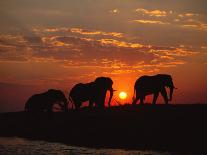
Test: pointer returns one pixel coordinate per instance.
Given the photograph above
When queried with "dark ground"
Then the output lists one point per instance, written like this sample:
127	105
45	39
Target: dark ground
173	128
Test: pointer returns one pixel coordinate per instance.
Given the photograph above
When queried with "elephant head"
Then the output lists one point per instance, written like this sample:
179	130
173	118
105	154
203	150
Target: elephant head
58	96
105	83
167	82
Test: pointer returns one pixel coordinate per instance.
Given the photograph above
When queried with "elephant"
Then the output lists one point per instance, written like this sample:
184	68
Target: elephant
147	85
45	101
94	92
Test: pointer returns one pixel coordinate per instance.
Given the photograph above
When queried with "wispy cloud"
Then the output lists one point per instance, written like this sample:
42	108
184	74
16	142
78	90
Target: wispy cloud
194	24
186	20
150	22
89	32
187	15
156	13
77	48
120	43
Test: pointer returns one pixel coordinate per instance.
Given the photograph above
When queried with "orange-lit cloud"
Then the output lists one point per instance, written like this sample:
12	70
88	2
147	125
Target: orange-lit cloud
194	24
186	20
187	15
77	30
156	13
119	43
79	51
204	47
54	41
150	22
88	32
75	51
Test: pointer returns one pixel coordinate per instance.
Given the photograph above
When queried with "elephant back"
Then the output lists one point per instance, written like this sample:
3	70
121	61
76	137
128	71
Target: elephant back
34	103
82	91
55	95
147	83
104	83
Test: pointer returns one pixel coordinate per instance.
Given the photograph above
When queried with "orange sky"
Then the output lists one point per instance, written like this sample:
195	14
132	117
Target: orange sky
46	44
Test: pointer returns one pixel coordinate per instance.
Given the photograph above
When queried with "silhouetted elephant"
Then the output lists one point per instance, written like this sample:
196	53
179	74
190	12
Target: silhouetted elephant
46	100
146	85
94	92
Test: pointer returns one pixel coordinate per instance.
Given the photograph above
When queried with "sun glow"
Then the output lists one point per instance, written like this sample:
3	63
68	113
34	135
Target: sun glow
122	95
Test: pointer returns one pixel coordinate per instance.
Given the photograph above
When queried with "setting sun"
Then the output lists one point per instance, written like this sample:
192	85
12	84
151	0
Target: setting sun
122	95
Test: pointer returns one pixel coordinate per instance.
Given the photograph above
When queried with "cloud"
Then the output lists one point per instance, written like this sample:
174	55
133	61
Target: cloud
67	48
189	26
186	20
64	30
117	43
156	13
89	32
174	53
197	25
50	30
204	47
187	15
78	49
162	13
54	41
150	22
189	21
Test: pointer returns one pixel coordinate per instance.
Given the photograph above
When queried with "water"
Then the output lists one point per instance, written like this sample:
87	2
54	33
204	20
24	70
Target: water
21	146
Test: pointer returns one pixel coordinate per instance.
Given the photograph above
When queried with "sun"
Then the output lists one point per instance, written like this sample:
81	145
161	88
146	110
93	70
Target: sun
122	95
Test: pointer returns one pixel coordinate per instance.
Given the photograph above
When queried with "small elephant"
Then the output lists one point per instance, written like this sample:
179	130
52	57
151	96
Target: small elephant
45	101
94	92
147	85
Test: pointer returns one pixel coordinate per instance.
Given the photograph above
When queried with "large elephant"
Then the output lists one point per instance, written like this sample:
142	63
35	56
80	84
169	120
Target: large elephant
45	101
94	92
147	85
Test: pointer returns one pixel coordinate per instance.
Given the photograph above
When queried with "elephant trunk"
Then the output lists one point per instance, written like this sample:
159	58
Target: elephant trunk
111	95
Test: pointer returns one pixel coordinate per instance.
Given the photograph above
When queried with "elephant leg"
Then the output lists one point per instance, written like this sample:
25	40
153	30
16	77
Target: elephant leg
101	104
91	103
77	105
100	100
164	94
142	99
155	97
135	101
